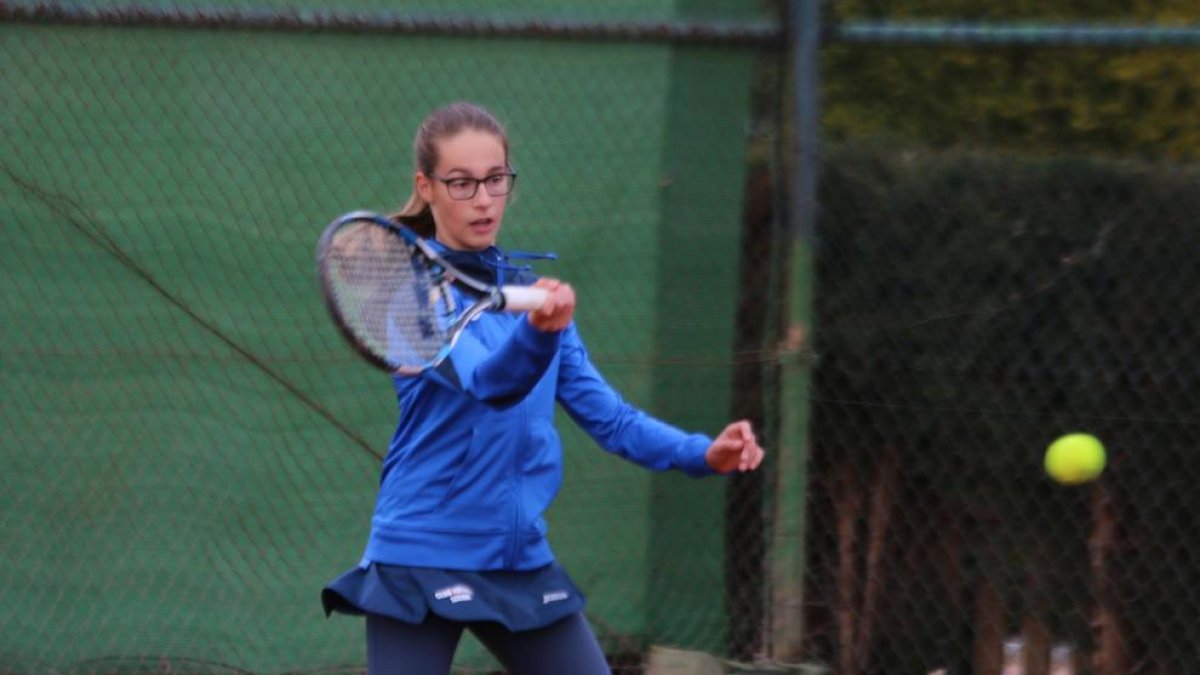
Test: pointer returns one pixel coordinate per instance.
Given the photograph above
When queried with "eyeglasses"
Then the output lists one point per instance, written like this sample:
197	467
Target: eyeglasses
464	187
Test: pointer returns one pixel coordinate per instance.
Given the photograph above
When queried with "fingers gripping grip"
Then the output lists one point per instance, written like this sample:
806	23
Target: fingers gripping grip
523	298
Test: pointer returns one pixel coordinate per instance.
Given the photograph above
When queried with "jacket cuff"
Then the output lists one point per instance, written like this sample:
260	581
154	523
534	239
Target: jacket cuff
537	341
690	458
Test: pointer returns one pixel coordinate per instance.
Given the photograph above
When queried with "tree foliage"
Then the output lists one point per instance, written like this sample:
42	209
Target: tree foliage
1132	102
971	307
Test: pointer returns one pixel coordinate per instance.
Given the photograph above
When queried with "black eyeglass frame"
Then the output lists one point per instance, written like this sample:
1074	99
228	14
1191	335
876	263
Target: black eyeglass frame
476	182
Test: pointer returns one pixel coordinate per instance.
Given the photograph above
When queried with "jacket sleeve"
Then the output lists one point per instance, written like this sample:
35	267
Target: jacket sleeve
619	427
503	375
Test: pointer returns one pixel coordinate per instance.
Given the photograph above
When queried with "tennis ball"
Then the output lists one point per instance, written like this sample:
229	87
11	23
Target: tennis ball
1075	458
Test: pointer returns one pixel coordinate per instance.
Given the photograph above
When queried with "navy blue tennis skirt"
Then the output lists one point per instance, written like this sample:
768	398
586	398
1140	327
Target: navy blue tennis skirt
520	600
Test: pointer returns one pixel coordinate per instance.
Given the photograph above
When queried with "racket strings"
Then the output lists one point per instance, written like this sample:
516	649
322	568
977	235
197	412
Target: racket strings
387	297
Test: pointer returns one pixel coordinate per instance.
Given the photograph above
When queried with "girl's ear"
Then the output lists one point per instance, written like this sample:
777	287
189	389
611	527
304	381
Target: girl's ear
423	186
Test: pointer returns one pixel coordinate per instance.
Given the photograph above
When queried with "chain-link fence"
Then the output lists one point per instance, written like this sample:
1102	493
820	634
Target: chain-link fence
998	263
192	452
971	310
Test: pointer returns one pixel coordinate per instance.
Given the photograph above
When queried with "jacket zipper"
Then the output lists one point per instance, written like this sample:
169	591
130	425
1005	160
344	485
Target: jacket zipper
515	536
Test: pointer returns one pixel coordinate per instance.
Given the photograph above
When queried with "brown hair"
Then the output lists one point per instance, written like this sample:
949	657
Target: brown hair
442	123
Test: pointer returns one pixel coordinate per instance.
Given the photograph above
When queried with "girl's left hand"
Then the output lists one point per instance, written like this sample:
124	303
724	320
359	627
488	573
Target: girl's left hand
735	448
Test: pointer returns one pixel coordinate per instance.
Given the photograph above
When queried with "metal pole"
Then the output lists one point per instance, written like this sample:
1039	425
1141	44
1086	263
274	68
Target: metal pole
804	33
788	557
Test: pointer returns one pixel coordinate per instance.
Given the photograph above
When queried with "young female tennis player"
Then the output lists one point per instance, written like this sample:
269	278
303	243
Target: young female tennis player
457	539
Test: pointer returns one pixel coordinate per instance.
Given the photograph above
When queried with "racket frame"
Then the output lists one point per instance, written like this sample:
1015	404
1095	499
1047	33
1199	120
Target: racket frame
442	275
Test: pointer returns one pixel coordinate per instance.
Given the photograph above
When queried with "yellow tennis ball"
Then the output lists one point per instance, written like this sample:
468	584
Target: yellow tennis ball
1075	458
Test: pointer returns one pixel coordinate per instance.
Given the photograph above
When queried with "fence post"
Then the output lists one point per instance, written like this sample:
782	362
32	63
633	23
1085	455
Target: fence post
791	455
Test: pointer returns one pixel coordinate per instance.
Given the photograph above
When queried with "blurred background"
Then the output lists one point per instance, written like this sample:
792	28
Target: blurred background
914	242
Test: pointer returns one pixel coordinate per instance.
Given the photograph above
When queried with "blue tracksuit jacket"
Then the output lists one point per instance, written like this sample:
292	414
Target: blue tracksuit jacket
476	460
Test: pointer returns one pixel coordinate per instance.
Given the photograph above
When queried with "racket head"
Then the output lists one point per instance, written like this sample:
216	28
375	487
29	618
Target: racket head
389	300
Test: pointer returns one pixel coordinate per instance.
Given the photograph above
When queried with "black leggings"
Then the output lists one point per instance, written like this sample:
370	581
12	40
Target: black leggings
567	646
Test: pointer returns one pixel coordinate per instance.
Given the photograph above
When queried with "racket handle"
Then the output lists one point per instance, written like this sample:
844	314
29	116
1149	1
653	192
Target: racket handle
523	298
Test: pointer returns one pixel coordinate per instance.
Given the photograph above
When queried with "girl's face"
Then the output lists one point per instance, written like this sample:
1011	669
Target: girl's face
469	224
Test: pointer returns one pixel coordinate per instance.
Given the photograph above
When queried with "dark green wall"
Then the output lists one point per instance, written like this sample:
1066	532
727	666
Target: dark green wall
168	497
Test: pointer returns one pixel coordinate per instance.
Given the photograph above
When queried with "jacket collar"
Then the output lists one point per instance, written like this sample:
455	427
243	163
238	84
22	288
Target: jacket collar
492	265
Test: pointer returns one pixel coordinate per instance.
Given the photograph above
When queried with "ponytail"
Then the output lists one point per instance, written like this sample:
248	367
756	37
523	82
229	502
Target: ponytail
416	216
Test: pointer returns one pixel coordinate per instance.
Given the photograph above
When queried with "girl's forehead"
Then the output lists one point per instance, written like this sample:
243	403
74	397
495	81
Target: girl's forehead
471	148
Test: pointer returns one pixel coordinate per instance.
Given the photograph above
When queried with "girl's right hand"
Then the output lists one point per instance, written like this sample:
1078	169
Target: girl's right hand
736	449
558	309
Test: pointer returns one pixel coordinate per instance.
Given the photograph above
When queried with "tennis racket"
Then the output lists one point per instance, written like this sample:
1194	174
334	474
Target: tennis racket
390	293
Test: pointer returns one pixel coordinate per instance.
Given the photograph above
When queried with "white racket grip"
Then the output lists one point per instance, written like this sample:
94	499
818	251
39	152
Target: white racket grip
523	298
